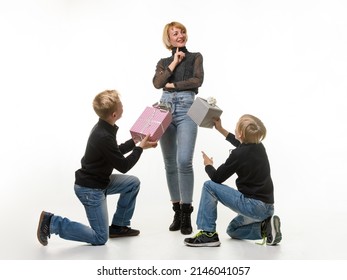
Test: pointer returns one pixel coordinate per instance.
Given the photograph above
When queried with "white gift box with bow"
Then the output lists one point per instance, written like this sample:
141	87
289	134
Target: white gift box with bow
203	111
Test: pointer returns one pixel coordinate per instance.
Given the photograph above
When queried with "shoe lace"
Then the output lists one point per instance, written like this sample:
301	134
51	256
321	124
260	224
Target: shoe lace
198	234
263	239
45	230
204	233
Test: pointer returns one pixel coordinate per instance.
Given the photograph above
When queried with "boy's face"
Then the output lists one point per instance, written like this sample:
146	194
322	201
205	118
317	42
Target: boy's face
238	134
119	111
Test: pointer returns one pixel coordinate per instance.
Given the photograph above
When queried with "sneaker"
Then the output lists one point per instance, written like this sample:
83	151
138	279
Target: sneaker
273	230
203	239
43	232
122	231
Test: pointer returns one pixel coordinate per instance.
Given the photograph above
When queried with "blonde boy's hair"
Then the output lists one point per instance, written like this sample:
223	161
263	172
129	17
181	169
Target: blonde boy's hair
105	103
166	33
251	128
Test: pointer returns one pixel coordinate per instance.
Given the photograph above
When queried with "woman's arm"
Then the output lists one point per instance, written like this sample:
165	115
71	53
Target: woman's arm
198	75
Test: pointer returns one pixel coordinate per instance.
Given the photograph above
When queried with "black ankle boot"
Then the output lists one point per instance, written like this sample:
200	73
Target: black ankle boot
176	224
186	224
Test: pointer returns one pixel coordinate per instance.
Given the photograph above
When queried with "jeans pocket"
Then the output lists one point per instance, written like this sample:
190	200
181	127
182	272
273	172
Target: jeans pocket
186	100
259	210
89	197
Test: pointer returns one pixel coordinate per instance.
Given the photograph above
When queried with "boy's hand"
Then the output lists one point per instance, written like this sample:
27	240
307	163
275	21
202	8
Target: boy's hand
145	143
207	160
217	123
219	127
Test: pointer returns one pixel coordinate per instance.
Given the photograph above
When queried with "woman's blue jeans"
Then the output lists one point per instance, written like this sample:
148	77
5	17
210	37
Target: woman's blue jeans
177	145
95	204
251	212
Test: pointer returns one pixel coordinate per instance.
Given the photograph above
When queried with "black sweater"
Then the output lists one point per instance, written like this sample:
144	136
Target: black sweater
103	154
251	164
188	75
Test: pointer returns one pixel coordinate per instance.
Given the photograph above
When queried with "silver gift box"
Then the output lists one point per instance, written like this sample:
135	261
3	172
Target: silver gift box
203	114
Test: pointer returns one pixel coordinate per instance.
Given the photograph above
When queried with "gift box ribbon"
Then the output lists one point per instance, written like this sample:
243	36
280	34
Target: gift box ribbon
149	123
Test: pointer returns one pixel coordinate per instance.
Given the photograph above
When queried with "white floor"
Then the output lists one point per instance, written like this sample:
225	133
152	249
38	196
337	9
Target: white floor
313	232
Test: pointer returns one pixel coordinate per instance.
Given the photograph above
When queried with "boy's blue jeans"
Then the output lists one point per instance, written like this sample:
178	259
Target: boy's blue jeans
95	204
251	212
177	145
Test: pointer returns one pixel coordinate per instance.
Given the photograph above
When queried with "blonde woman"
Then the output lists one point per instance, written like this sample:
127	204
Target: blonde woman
179	76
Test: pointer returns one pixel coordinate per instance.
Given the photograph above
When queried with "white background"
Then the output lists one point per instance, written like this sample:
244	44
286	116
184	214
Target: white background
283	61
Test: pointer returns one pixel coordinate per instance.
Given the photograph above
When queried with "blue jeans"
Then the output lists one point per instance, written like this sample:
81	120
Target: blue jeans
251	212
177	145
95	205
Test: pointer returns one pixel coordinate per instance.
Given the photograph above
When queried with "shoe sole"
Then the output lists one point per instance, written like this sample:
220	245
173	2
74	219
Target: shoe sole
187	232
123	235
209	244
276	230
39	229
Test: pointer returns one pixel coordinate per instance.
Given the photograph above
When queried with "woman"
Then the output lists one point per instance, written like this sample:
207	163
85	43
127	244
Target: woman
180	77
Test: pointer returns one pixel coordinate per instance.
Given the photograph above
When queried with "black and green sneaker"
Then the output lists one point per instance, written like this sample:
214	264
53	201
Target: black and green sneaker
203	239
271	231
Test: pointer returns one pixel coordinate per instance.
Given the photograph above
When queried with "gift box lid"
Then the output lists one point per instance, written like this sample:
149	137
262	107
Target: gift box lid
203	113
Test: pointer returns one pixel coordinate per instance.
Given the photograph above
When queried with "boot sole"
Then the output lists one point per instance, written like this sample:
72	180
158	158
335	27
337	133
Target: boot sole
186	232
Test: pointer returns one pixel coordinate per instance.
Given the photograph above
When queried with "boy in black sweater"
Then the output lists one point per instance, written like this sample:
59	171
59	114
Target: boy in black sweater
94	181
253	201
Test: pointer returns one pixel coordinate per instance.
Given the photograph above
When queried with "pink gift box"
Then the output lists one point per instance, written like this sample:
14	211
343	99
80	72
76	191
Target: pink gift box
153	121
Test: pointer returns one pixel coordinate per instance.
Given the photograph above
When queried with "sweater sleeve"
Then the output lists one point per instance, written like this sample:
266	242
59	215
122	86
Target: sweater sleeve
224	171
162	75
231	138
127	146
228	168
197	78
115	157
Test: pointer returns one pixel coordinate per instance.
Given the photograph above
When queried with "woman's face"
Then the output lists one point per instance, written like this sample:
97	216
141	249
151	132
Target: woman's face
177	37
